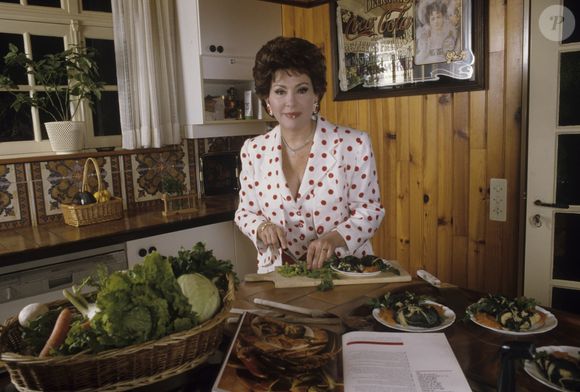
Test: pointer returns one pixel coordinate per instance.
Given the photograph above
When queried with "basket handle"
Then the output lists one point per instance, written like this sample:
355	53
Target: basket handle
86	172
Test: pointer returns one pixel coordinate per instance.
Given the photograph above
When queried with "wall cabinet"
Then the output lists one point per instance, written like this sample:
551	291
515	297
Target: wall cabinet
218	40
224	238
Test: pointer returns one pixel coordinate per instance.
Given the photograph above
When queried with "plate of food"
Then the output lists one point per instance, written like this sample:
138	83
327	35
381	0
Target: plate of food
557	367
364	267
517	316
412	313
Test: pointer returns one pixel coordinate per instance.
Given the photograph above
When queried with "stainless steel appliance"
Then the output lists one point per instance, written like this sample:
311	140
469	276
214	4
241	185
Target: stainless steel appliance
43	280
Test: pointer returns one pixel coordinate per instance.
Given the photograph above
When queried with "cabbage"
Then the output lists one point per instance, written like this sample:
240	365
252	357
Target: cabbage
202	294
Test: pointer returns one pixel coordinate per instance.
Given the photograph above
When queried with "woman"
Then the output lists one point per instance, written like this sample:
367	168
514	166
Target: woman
308	187
437	36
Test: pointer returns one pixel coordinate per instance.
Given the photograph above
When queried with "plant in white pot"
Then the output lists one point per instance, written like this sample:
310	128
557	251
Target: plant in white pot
62	82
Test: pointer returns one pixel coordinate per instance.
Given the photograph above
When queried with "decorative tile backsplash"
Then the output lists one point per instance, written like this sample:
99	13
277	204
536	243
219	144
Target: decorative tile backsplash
56	182
14	210
134	177
147	170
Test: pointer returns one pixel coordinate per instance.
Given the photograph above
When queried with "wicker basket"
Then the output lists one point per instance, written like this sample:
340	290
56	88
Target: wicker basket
113	370
78	215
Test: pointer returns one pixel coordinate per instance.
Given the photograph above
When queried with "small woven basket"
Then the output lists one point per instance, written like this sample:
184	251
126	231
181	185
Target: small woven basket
78	215
113	370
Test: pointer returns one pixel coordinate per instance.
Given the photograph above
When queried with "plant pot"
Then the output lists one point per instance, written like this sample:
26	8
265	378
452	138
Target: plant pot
66	136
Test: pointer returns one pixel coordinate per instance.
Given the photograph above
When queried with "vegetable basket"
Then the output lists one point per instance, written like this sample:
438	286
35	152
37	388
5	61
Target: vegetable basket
113	370
80	215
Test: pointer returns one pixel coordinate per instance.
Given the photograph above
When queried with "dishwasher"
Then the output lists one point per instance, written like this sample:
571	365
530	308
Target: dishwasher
43	280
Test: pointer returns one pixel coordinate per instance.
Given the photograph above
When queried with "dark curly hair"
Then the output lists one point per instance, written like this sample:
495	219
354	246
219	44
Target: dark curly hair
292	54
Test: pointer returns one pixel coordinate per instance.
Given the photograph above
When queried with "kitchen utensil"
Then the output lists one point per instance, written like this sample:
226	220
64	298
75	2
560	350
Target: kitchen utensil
292	308
429	278
286	252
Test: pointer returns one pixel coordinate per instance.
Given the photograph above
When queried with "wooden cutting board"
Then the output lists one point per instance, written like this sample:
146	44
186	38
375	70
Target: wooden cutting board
303	281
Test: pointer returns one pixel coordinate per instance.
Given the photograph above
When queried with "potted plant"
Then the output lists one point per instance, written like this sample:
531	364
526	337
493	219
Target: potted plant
62	82
175	199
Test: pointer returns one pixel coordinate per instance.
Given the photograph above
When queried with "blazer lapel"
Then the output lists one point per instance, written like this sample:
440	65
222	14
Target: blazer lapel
274	166
321	160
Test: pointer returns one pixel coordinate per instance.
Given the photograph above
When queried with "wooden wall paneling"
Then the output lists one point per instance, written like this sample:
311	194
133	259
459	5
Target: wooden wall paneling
460	186
402	175
416	140
289	22
463	141
513	127
496	33
430	178
495	167
477	218
388	177
478	194
376	129
444	188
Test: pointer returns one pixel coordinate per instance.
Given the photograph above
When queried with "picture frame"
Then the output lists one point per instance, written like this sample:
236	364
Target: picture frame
386	48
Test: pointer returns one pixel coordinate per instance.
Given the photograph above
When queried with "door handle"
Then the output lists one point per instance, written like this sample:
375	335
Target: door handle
551	205
536	220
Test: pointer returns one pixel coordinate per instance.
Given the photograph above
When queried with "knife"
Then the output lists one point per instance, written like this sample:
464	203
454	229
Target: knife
286	252
292	308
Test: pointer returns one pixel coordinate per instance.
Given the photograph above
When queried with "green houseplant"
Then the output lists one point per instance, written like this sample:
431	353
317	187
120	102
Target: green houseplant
62	81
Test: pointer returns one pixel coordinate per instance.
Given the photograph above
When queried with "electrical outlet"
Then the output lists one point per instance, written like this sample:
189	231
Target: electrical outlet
498	199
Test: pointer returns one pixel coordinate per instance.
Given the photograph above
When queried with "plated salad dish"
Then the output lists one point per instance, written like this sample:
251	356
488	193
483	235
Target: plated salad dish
411	312
517	316
365	266
556	366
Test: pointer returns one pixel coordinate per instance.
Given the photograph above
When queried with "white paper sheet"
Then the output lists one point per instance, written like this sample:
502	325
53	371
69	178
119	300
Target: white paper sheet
400	362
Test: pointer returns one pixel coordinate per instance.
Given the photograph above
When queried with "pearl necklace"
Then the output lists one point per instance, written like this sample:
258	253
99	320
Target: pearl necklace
295	150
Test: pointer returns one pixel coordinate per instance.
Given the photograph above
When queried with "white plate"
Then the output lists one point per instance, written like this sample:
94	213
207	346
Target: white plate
359	274
448	319
550	323
533	370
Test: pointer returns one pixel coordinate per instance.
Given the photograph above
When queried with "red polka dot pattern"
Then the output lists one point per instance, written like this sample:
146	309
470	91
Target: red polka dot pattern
338	182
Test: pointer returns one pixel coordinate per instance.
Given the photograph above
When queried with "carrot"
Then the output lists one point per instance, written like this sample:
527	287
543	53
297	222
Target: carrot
59	332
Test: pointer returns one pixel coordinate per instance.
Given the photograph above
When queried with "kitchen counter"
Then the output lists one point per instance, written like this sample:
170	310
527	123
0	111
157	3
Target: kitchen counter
25	244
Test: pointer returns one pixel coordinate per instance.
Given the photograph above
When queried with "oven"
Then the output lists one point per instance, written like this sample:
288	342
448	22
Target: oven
43	280
219	173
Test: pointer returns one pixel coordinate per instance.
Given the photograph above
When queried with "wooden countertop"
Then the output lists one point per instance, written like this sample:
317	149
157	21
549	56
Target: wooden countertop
476	348
30	243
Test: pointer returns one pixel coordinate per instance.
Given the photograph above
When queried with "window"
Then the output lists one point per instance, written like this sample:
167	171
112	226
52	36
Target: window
44	27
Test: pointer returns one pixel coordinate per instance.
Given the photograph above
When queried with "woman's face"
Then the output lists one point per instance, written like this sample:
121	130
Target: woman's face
292	99
436	20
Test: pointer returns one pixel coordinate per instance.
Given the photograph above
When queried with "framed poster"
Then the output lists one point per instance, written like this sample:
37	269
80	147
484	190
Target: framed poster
384	48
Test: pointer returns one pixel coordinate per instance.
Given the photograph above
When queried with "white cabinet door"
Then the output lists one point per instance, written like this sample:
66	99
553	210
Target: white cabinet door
239	27
246	254
218	237
225	239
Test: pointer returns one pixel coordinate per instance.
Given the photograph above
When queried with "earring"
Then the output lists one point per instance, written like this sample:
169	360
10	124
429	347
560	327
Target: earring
316	108
269	109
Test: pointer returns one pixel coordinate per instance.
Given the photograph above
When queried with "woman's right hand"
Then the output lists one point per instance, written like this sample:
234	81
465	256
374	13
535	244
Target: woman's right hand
273	236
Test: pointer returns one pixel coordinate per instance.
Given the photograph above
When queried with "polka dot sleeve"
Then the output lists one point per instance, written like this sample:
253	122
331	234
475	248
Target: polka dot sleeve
363	199
249	216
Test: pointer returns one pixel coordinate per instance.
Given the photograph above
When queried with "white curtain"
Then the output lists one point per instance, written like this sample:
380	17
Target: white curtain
146	55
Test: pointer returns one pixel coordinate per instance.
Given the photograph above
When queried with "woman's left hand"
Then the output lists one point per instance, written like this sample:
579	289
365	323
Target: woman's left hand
321	249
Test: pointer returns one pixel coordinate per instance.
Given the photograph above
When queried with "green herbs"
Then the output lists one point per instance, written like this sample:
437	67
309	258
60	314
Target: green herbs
365	264
202	261
325	274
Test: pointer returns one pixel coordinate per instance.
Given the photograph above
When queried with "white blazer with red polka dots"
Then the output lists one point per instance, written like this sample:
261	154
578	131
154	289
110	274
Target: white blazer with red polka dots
339	191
